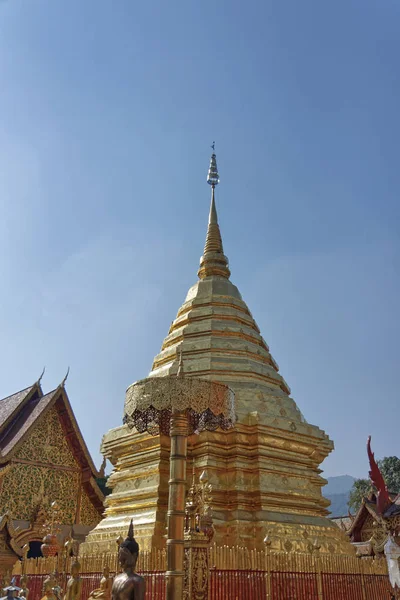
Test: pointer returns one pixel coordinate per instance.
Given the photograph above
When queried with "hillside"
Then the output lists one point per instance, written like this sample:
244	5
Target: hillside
337	491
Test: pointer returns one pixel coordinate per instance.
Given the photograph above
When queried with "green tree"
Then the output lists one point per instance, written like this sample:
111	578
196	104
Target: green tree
390	469
102	483
361	488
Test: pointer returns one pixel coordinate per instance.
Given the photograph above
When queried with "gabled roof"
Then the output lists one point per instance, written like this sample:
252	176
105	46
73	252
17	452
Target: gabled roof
25	409
369	507
22	422
10	405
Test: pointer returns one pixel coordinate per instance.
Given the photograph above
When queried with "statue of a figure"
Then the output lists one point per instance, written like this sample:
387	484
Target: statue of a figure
104	591
128	585
48	587
74	585
6	581
392	553
24	591
51	590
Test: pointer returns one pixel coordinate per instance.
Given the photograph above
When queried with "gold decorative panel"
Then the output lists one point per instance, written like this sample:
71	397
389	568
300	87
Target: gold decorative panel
88	514
22	483
47	444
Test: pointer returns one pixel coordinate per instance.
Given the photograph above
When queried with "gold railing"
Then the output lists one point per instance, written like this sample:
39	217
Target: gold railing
221	557
154	560
241	558
236	572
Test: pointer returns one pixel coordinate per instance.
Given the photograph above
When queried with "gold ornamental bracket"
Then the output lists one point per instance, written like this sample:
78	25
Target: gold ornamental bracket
149	404
177	406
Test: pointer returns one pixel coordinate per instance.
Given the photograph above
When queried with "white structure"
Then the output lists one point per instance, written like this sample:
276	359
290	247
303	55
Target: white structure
392	553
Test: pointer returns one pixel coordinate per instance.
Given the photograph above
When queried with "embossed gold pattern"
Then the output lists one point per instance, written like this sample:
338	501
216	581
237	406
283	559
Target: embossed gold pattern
26	478
149	404
88	515
42	470
47	444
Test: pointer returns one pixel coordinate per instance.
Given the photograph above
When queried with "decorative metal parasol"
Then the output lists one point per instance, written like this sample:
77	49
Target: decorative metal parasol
150	402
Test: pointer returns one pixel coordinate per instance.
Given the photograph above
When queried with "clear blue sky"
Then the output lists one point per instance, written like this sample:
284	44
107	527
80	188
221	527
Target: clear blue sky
107	113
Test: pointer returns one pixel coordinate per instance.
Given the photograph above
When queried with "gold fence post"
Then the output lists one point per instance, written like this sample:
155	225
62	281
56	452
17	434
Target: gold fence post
267	544
361	570
317	548
199	533
176	505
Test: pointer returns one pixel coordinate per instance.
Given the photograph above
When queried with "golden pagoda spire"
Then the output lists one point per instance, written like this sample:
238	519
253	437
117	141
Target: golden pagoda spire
213	261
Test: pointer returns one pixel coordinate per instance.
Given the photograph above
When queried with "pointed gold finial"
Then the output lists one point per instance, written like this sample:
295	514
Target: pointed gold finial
102	470
39	381
62	384
213	261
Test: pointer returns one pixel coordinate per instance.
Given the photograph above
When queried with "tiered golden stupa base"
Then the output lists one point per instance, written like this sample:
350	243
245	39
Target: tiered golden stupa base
243	515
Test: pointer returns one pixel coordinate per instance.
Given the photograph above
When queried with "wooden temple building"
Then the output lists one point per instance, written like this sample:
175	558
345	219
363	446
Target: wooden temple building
43	460
265	472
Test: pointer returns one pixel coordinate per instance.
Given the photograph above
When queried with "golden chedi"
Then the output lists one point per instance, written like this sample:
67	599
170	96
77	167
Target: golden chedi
265	472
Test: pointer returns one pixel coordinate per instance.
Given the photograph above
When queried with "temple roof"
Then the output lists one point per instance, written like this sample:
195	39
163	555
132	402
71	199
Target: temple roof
27	416
23	410
10	404
369	507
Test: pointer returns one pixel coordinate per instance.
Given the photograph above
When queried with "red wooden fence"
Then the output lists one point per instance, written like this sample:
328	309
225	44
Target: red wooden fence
294	585
283	585
229	585
249	584
155	584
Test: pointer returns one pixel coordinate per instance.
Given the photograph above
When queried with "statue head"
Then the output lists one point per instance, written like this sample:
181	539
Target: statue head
106	571
49	582
75	568
128	550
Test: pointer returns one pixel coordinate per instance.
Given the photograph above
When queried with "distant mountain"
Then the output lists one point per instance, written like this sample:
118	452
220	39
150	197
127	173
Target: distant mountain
337	491
339	485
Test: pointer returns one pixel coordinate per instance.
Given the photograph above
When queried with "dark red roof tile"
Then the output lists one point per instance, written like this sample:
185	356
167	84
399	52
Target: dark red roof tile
9	404
20	425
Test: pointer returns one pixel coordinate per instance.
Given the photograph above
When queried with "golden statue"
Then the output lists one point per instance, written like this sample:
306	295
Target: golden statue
51	590
104	591
74	585
128	585
6	580
24	591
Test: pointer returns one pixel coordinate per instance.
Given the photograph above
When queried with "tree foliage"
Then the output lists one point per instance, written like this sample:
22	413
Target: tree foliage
102	483
361	488
390	469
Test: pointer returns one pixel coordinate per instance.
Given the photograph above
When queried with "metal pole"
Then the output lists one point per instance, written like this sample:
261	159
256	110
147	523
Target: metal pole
176	505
